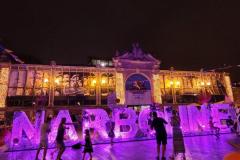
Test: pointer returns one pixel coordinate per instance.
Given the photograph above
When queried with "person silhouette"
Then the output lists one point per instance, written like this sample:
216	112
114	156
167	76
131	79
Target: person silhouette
161	134
45	130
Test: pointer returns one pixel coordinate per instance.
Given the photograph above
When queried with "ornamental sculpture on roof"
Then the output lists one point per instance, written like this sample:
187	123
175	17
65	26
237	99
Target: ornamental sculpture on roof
137	58
137	51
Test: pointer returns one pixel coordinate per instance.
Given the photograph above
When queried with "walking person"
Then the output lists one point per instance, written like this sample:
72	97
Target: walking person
60	138
178	141
215	129
161	134
230	123
45	130
88	145
110	125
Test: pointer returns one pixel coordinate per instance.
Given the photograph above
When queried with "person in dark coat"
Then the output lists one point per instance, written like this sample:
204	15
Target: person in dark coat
60	138
110	126
88	145
161	134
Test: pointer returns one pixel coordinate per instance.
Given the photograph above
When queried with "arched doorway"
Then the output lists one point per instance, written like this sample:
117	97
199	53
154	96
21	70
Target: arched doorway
138	90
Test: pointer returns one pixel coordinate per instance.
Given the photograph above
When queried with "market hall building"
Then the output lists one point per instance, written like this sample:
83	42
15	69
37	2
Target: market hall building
132	85
135	77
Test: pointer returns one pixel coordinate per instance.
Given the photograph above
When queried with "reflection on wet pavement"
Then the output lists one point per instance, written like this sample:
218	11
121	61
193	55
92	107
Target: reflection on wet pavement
197	148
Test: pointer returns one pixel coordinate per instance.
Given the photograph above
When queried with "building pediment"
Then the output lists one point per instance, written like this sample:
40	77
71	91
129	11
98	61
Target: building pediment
137	58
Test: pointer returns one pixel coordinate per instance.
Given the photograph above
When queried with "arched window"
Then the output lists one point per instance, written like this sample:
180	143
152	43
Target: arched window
137	82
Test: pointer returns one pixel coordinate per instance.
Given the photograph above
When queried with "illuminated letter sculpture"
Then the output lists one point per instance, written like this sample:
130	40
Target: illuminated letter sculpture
198	118
183	113
144	119
97	119
70	132
220	112
22	123
125	123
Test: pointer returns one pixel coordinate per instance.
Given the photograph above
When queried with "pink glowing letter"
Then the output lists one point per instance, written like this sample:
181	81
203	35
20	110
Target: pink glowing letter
70	132
97	119
21	124
125	123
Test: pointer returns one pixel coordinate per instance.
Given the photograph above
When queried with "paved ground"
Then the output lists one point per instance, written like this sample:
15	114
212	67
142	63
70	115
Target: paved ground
198	148
235	142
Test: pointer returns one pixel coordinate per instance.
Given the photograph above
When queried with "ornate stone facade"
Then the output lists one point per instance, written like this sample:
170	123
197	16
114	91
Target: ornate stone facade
136	78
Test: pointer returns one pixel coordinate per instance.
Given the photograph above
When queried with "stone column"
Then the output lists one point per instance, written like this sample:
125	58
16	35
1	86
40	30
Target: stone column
4	75
156	89
120	88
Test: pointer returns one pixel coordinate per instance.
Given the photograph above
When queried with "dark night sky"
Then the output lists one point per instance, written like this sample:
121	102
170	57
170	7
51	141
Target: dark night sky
184	34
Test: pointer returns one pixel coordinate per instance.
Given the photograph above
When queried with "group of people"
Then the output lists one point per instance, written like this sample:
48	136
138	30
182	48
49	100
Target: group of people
45	130
158	124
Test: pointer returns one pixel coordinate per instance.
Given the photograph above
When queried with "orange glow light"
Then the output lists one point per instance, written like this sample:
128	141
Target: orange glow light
93	83
177	83
45	80
57	81
103	81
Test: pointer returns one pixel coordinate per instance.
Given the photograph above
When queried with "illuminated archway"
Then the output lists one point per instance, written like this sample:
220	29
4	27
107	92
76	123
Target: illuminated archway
137	82
138	90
